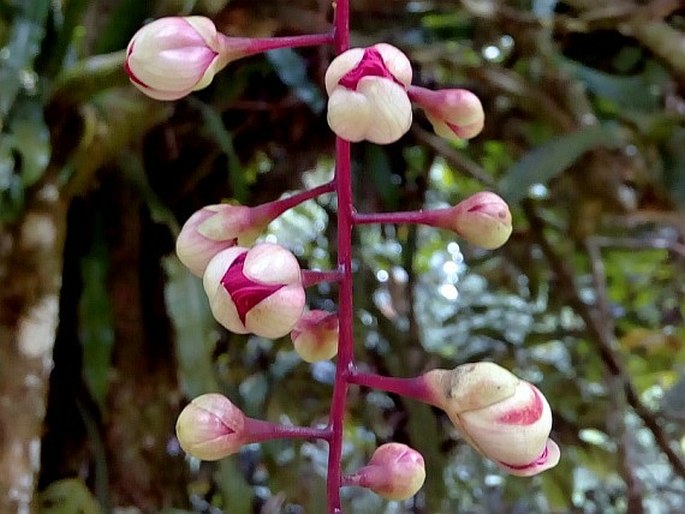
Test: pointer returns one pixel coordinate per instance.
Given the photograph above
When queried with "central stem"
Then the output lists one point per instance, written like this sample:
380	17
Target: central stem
343	184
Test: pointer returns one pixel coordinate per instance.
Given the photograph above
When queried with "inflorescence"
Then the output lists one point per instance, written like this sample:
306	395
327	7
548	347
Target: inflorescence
260	288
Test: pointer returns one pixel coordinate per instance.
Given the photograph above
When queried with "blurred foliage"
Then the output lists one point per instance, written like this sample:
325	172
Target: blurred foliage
584	135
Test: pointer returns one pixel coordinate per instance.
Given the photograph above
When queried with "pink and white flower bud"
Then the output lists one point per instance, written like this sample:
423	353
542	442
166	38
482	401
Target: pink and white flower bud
506	419
482	219
395	472
211	427
367	89
214	228
454	113
171	57
256	291
315	336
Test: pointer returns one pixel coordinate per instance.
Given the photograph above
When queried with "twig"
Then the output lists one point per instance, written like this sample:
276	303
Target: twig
604	338
454	158
616	423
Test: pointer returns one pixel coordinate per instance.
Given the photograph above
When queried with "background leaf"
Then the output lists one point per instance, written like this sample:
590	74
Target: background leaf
545	162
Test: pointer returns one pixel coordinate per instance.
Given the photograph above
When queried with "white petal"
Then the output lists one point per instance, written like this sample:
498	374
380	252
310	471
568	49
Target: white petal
391	113
278	313
551	460
225	312
269	263
349	114
512	443
396	61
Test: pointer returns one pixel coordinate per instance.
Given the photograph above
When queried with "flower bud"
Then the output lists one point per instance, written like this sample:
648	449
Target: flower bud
212	229
170	57
367	89
315	336
210	427
454	113
255	291
395	472
482	219
506	419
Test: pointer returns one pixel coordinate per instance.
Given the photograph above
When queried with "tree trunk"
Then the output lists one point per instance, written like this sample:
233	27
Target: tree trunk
143	399
30	272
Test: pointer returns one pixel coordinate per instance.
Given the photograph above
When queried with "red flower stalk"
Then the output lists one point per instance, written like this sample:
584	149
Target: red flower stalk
482	219
261	290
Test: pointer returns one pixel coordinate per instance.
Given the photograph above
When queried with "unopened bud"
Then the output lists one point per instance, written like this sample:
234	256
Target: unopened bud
483	219
210	427
367	89
170	57
454	113
506	419
214	228
255	291
395	472
315	336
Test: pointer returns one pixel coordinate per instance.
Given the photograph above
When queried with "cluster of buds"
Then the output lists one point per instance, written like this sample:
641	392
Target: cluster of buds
370	90
260	288
367	94
370	95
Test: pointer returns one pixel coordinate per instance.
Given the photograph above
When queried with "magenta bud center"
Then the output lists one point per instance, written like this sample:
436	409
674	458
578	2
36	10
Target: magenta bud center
245	292
526	415
371	65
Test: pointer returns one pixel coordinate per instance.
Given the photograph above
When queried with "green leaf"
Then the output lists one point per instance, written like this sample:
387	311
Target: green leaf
214	128
31	140
11	190
543	163
292	70
378	167
95	322
674	166
194	327
633	92
24	45
125	20
68	496
237	493
67	27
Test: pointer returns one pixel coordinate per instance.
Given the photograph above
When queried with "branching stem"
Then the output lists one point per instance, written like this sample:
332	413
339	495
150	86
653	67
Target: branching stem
343	183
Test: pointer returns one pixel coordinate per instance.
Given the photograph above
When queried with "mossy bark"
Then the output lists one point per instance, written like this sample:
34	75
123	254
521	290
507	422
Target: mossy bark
30	272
